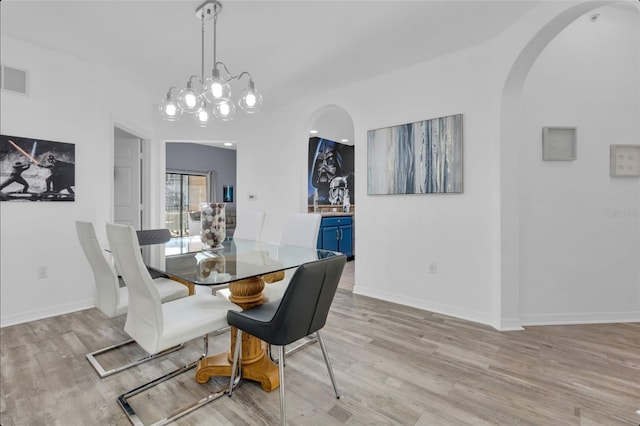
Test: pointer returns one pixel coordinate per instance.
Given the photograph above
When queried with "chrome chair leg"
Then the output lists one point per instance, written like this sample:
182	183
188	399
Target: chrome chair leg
91	357
205	349
277	359
328	362
136	421
301	344
283	412
237	362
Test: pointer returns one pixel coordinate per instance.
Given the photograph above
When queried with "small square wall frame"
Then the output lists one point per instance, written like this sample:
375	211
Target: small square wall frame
625	160
559	144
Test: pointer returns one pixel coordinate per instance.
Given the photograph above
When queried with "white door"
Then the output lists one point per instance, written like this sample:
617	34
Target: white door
127	193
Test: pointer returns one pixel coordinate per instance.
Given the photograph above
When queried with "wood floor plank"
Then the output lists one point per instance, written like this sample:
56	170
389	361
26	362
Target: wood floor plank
395	365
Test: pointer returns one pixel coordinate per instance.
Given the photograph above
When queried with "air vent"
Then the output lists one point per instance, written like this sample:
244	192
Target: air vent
14	80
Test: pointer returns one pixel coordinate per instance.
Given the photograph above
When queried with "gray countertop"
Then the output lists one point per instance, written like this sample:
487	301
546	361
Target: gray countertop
331	214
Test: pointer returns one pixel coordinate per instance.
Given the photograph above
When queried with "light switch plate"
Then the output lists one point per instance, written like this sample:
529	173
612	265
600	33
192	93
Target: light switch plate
624	160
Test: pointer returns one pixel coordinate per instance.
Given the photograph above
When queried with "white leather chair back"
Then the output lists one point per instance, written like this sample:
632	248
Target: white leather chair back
144	317
301	230
249	225
107	296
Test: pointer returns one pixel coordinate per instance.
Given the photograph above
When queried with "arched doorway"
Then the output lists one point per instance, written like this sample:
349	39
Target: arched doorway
508	309
330	185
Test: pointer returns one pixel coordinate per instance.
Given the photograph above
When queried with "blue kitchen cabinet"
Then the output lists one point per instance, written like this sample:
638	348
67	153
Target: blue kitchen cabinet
336	234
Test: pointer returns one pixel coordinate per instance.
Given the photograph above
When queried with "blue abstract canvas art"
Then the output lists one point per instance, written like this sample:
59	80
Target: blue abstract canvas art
424	157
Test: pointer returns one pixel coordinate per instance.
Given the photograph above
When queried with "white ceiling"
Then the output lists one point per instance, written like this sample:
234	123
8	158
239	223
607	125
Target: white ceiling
292	48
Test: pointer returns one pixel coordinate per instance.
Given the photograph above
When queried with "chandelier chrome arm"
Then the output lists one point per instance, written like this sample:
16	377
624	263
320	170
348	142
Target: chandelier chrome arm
192	78
233	77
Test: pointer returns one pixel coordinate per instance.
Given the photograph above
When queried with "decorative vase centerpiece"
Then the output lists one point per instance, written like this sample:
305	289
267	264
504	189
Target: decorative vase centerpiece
214	227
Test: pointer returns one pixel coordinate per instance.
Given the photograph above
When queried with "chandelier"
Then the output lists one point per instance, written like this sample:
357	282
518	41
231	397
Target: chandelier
204	98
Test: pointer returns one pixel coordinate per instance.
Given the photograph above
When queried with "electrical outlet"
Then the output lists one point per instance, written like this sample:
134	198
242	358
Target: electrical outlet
42	272
433	267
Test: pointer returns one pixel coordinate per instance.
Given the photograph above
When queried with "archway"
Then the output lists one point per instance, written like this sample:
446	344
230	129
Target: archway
507	309
330	182
331	129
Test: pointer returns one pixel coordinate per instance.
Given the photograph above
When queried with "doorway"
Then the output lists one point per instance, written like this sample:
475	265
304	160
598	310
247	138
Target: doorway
332	147
127	178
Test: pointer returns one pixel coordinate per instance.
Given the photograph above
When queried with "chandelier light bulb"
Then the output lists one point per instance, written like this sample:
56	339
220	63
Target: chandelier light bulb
169	109
250	99
216	89
203	116
189	99
225	111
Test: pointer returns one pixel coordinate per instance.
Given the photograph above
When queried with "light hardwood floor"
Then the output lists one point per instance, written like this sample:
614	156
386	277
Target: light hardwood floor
394	365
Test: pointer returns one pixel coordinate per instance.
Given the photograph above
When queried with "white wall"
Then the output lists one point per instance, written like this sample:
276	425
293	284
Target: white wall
43	233
579	227
65	104
396	236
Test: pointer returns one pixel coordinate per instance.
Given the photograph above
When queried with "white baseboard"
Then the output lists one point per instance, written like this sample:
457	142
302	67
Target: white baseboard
507	324
513	324
51	311
440	308
580	318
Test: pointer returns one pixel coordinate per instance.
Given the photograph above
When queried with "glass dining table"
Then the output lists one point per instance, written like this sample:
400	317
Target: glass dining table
244	266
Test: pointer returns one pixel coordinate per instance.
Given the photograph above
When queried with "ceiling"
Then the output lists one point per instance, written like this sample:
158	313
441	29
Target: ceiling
291	48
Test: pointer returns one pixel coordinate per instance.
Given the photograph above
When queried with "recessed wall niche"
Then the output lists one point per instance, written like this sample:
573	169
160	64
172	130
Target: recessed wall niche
559	144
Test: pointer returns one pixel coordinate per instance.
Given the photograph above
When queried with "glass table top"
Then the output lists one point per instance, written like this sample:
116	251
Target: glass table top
239	259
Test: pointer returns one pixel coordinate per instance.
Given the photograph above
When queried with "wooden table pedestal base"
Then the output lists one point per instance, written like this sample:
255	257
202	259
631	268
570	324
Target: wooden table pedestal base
261	370
256	364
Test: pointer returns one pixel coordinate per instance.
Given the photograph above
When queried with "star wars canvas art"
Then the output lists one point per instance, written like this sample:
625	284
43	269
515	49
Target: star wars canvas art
36	169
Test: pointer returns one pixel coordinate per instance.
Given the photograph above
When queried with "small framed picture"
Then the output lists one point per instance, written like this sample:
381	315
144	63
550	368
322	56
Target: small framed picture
625	160
227	193
559	144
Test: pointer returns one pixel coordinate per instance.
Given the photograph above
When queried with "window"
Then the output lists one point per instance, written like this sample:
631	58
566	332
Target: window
184	194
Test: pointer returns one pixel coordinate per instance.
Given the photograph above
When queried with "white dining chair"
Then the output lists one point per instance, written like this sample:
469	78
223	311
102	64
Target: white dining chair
156	326
301	230
112	299
249	225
